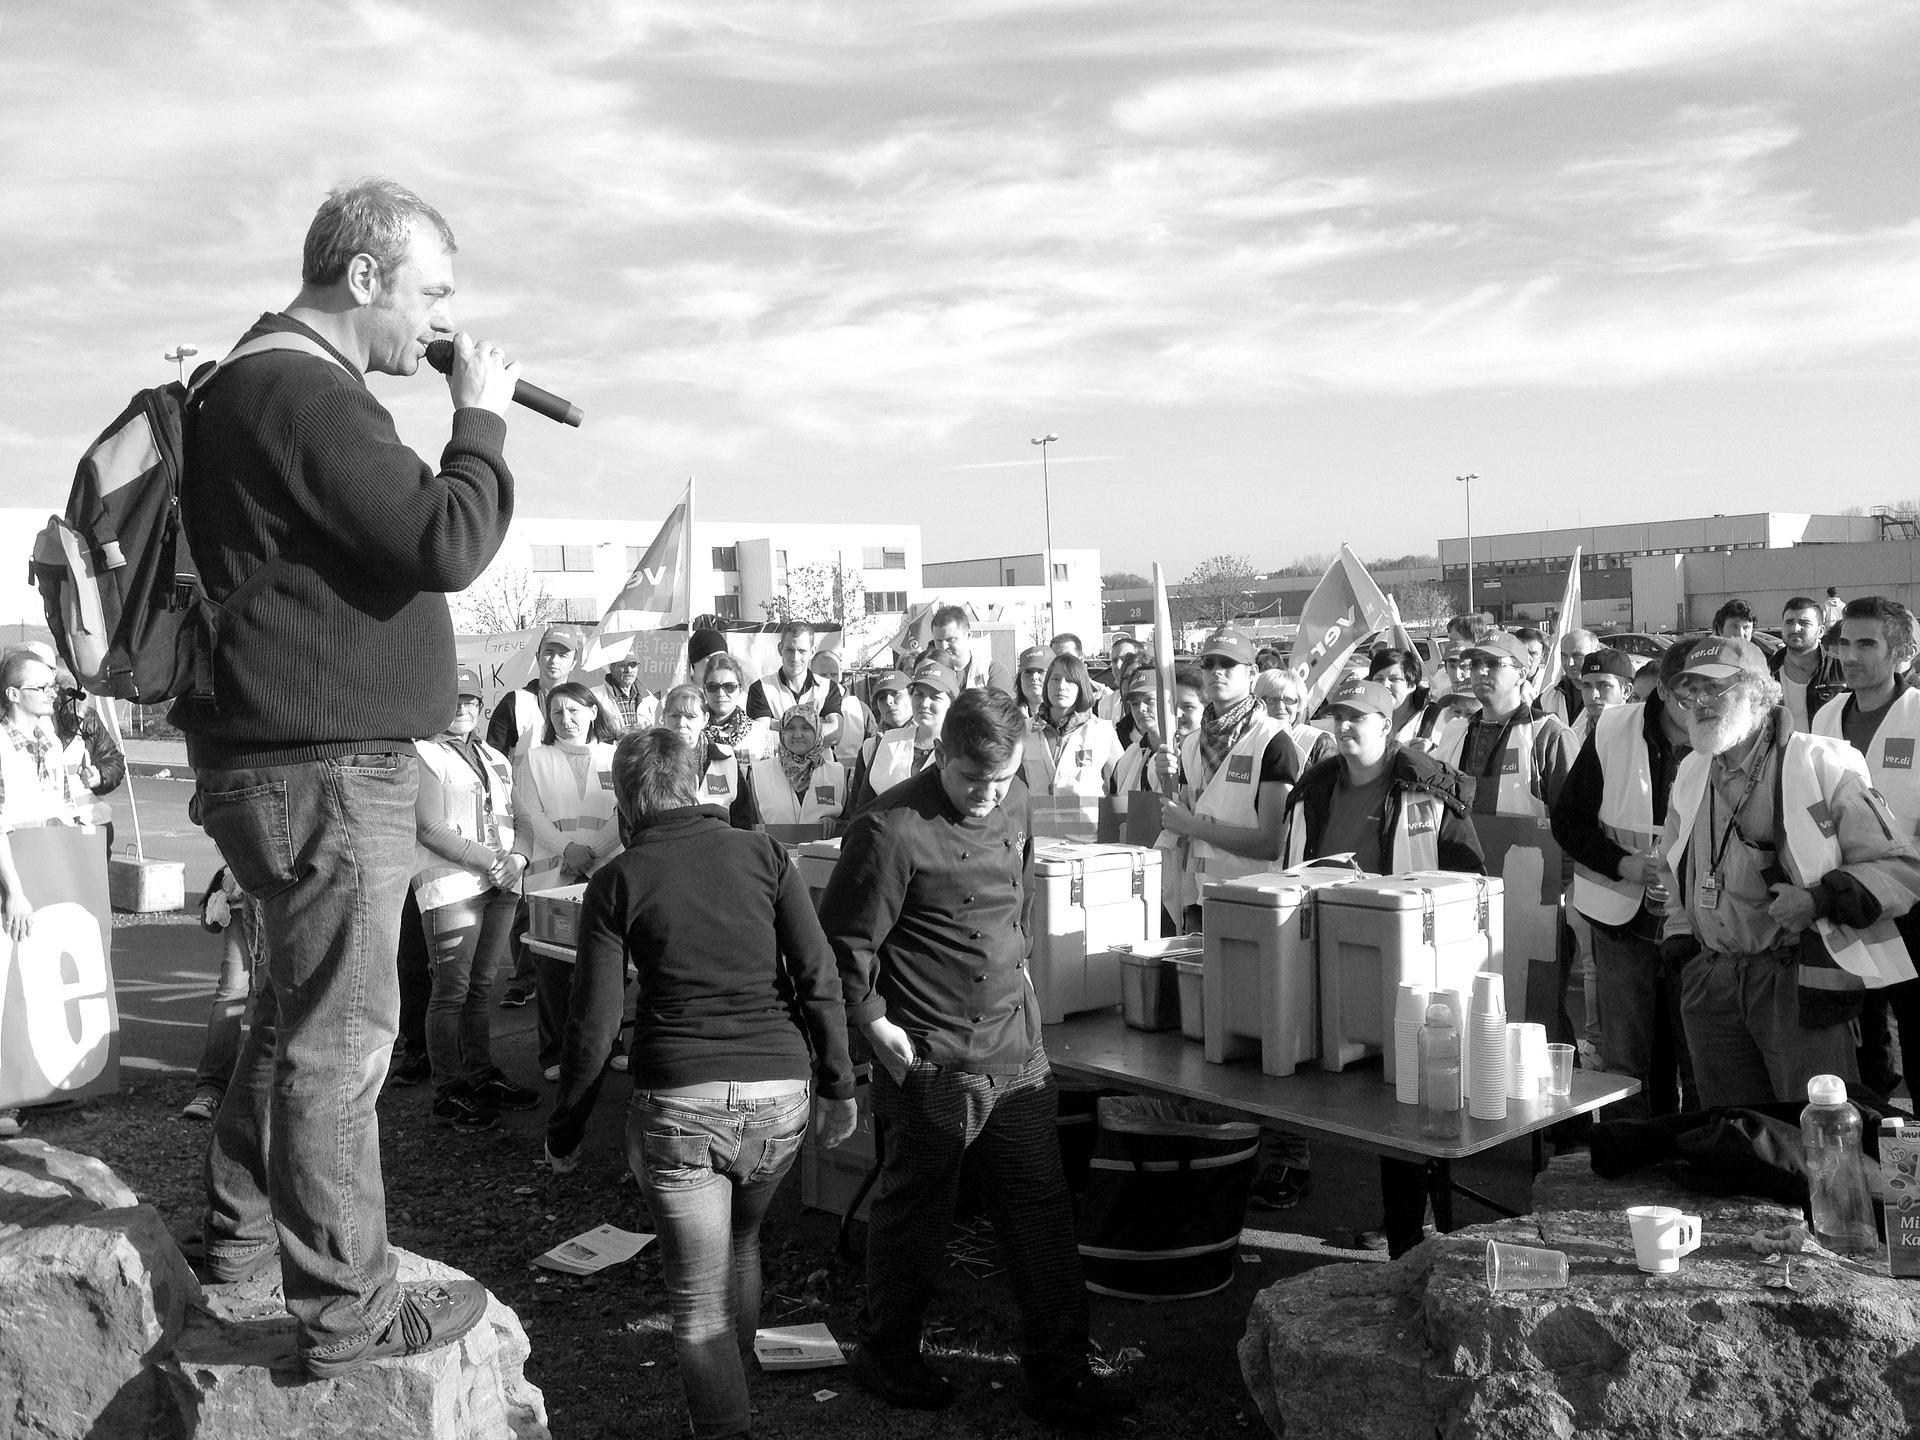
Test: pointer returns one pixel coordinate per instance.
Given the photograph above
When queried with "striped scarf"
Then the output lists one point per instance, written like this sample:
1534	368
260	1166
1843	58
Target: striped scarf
1218	736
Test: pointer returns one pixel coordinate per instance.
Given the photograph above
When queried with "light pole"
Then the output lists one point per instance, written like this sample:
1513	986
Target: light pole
1046	501
1467	480
180	354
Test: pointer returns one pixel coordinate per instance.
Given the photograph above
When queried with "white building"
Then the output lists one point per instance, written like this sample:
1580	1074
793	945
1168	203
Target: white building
738	565
1014	589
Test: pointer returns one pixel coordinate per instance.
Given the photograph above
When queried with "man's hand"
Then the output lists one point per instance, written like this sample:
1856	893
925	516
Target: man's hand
834	1121
89	775
481	378
1642	868
892	1047
1792	908
19	916
1176	817
1166	765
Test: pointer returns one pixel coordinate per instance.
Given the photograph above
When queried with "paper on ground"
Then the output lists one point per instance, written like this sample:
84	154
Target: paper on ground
595	1250
797	1347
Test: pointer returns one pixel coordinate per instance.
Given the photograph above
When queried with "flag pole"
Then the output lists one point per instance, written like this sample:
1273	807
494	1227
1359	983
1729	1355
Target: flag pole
1163	654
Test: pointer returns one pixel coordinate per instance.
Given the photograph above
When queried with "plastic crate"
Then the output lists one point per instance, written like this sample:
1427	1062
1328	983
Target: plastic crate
1088	898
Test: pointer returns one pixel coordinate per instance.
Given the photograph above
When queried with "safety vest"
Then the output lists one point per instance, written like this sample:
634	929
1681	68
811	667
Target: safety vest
1811	768
773	688
1626	813
575	815
1131	772
1890	758
892	760
1064	794
482	814
1516	778
853	729
1229	796
61	799
645	712
1414	844
826	793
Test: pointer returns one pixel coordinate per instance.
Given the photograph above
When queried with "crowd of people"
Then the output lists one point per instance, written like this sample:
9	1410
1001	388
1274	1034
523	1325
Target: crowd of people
1737	829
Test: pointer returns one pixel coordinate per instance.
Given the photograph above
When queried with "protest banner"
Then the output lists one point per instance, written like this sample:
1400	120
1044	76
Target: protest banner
1345	608
59	1024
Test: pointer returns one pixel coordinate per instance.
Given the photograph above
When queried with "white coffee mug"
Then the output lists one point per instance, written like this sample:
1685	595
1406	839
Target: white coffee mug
1661	1235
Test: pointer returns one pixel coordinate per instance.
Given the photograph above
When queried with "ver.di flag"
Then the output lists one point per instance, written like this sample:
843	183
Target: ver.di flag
1569	620
655	595
1345	607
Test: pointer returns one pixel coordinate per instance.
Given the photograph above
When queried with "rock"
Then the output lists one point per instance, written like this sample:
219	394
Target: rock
1419	1347
104	1332
93	1291
235	1374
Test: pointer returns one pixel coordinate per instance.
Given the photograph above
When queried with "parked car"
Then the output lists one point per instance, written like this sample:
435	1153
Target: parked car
1642	644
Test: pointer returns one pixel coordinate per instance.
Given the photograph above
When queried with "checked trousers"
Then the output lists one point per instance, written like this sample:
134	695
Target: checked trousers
932	1120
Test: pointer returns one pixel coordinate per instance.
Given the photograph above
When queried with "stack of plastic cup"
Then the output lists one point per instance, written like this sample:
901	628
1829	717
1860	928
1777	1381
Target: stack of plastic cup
1487	1049
1526	1061
1409	1014
1456	1001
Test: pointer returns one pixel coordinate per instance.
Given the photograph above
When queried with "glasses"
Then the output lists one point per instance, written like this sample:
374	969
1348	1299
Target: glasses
1701	692
1218	662
47	688
1483	666
722	687
469	702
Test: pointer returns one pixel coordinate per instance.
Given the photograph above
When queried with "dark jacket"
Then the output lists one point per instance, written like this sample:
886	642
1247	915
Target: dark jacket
1458	845
740	990
331	548
1576	813
1826	683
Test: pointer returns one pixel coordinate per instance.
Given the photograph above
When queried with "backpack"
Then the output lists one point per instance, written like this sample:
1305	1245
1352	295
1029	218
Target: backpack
126	605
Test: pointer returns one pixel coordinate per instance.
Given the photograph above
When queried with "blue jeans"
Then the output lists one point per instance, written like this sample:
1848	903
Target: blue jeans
466	945
240	953
327	848
710	1169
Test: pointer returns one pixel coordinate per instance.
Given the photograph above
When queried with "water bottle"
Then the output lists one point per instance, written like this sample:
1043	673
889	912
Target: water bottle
1440	1076
1836	1171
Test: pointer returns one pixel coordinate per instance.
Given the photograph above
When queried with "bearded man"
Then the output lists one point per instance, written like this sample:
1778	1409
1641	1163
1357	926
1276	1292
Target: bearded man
1785	872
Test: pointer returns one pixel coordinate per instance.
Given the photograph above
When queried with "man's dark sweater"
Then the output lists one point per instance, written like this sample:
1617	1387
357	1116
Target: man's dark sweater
736	980
331	547
926	913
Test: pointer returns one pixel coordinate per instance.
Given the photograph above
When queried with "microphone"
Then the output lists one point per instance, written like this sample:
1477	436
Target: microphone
440	356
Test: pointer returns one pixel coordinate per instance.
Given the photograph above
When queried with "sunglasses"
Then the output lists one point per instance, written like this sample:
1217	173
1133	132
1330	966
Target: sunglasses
1218	662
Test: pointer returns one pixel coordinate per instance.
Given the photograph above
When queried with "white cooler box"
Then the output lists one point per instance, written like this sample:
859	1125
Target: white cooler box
817	859
1261	984
1435	928
553	920
1086	900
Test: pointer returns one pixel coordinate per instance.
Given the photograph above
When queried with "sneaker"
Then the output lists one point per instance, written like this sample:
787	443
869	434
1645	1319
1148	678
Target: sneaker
1281	1188
410	1069
1078	1400
618	1063
431	1314
514	999
550	1074
204	1105
502	1094
904	1381
10	1123
456	1106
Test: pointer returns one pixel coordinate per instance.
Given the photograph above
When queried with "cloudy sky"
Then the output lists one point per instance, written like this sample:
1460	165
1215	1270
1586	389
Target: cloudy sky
1274	273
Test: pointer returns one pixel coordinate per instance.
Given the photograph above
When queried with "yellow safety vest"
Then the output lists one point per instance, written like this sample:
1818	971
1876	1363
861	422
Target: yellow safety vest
1414	844
1064	795
483	815
892	760
826	793
1516	780
1890	759
1811	768
1229	796
1626	813
576	816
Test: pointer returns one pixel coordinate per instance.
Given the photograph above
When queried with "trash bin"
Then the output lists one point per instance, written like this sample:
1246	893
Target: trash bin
1166	1193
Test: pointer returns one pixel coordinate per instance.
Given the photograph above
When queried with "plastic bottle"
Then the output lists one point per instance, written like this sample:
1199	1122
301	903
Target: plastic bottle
1440	1075
1836	1170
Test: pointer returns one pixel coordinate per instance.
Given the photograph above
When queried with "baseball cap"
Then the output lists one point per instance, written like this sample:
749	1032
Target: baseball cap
1364	695
1141	682
561	635
467	682
935	676
1721	657
1035	657
1609	661
1229	645
891	680
1502	646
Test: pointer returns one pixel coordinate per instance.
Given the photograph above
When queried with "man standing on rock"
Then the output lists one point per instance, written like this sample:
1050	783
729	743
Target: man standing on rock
330	545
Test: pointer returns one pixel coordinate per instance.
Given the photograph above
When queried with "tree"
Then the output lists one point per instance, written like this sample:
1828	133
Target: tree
1315	564
1215	590
1423	603
1124	580
510	599
823	594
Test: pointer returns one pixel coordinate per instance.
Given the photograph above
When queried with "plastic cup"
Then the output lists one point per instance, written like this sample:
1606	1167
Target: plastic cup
1489	995
1661	1235
1522	1267
1559	1069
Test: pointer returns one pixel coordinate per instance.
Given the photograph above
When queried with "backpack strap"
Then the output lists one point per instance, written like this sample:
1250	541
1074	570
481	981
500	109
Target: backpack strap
260	345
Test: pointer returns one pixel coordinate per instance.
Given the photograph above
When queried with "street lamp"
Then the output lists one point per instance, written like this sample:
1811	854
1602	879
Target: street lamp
1046	501
179	355
1468	480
